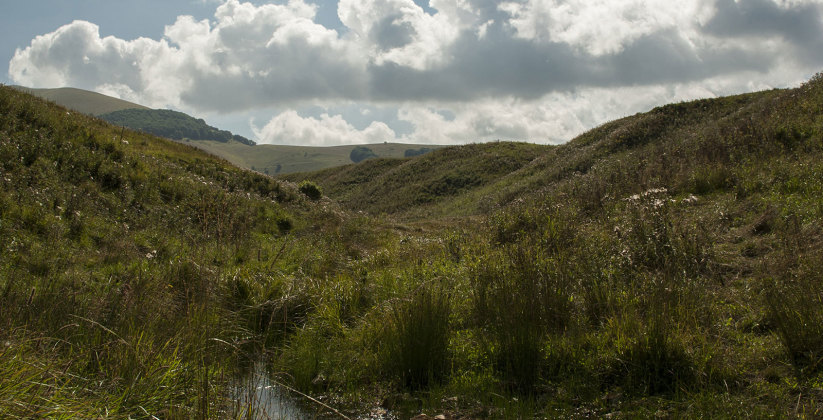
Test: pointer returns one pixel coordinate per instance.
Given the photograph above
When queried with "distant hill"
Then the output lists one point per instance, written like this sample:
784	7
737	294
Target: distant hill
172	125
268	159
80	100
160	122
279	159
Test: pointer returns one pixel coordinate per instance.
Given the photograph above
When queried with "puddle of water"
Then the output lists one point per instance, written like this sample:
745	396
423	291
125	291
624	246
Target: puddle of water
259	398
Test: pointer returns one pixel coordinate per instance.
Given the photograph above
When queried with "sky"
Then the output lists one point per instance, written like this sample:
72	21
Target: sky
329	72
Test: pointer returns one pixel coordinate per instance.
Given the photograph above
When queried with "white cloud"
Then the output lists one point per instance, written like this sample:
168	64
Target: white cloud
794	3
328	130
601	27
399	31
554	118
260	55
76	55
248	57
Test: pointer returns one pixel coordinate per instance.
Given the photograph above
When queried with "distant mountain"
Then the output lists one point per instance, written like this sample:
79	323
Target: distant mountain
171	124
80	100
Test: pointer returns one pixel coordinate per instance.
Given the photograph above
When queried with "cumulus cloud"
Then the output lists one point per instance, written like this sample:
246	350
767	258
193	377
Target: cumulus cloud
271	54
796	24
290	128
249	56
468	70
76	55
552	119
399	32
600	27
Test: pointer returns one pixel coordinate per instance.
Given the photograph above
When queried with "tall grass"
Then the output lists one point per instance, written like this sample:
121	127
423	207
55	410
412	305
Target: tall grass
653	359
795	309
419	336
522	293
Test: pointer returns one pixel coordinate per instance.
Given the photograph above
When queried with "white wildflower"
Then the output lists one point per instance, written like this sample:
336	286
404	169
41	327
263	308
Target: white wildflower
690	199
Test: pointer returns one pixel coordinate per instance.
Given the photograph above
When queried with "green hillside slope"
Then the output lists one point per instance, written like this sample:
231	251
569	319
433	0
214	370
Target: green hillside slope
133	268
427	185
80	100
505	172
663	264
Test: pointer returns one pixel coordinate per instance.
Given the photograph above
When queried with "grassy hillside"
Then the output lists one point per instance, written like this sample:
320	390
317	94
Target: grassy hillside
662	265
486	176
278	159
80	100
135	272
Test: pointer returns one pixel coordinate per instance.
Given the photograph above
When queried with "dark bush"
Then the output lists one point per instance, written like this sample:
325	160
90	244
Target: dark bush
521	297
656	363
284	225
311	190
361	153
416	152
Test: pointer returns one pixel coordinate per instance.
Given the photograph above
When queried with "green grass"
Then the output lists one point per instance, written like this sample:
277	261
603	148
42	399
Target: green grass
664	264
419	336
643	267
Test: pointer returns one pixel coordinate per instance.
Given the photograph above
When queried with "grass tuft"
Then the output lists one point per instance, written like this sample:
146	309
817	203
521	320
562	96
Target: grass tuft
419	336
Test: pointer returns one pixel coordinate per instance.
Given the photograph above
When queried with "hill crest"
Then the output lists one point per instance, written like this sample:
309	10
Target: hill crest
81	100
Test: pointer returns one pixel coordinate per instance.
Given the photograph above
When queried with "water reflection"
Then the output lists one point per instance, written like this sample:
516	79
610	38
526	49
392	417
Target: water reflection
258	397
